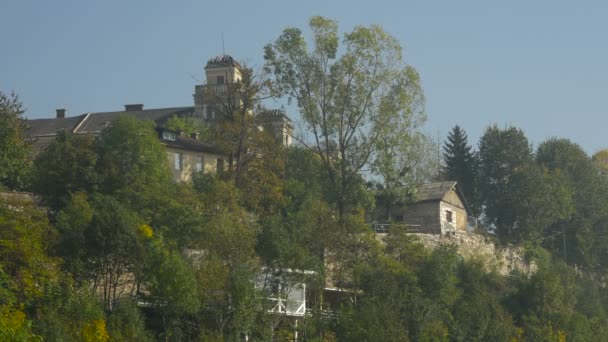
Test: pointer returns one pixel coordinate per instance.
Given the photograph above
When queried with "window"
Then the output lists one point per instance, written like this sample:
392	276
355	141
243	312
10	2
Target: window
399	218
220	165
199	164
179	161
168	135
448	216
219	80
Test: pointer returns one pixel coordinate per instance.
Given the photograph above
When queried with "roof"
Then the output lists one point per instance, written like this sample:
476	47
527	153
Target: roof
186	143
97	122
42	127
436	191
222	61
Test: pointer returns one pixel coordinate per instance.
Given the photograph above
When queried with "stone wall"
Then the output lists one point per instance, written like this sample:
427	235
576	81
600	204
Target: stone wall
475	246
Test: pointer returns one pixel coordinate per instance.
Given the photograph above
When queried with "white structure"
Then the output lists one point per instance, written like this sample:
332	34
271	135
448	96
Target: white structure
285	291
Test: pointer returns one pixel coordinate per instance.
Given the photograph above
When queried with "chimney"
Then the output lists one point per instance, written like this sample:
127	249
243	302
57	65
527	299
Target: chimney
134	107
180	132
195	135
60	113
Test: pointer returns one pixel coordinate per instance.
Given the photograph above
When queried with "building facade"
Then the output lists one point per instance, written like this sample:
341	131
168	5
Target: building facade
185	154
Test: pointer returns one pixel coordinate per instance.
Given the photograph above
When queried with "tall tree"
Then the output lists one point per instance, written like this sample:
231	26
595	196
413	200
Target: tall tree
343	94
502	154
519	198
234	130
460	163
66	166
588	188
131	157
14	149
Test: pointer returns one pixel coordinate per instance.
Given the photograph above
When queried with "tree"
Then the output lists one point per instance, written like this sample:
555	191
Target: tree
236	125
25	240
460	163
187	125
344	99
66	166
131	157
600	159
581	232
14	149
519	198
502	154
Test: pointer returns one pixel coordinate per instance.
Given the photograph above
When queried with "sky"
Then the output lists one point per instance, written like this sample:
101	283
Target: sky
538	65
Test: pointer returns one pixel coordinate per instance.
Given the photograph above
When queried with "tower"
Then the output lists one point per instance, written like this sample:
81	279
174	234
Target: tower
220	73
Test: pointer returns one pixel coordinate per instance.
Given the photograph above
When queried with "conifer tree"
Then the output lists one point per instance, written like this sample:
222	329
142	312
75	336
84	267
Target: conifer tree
459	162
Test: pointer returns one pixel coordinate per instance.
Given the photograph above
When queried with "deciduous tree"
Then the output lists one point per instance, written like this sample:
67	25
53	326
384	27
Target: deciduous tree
343	94
14	149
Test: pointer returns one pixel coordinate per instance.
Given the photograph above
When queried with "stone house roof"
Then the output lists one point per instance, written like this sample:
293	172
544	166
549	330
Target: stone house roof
436	191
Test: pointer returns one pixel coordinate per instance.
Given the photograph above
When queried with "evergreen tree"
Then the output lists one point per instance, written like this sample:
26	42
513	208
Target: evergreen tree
459	163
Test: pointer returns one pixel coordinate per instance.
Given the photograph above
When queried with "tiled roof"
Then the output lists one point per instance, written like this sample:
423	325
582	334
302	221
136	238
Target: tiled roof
97	122
45	127
222	61
434	191
188	143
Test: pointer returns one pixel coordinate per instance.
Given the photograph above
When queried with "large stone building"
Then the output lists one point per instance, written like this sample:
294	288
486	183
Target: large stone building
185	154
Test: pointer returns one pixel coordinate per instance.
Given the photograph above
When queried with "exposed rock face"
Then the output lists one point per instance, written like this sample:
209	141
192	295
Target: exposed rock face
474	246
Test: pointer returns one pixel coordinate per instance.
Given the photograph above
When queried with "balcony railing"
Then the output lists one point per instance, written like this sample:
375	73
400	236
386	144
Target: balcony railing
214	89
383	228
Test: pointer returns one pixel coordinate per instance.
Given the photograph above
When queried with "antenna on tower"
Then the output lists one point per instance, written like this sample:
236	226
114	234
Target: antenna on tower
223	47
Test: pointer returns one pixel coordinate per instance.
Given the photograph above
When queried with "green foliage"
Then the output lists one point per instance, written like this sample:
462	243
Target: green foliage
14	325
348	100
69	313
26	267
460	164
584	229
14	149
131	156
67	165
520	198
121	233
187	125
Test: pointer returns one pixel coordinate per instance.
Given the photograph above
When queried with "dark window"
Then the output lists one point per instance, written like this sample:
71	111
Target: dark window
399	218
219	80
448	216
220	165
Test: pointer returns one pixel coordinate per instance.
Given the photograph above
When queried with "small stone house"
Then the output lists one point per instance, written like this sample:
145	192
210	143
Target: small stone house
439	208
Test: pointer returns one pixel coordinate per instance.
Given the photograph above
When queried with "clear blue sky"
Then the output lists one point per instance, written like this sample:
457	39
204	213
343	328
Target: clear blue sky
539	65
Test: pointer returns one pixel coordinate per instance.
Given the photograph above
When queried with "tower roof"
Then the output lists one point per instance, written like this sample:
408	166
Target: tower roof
222	61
